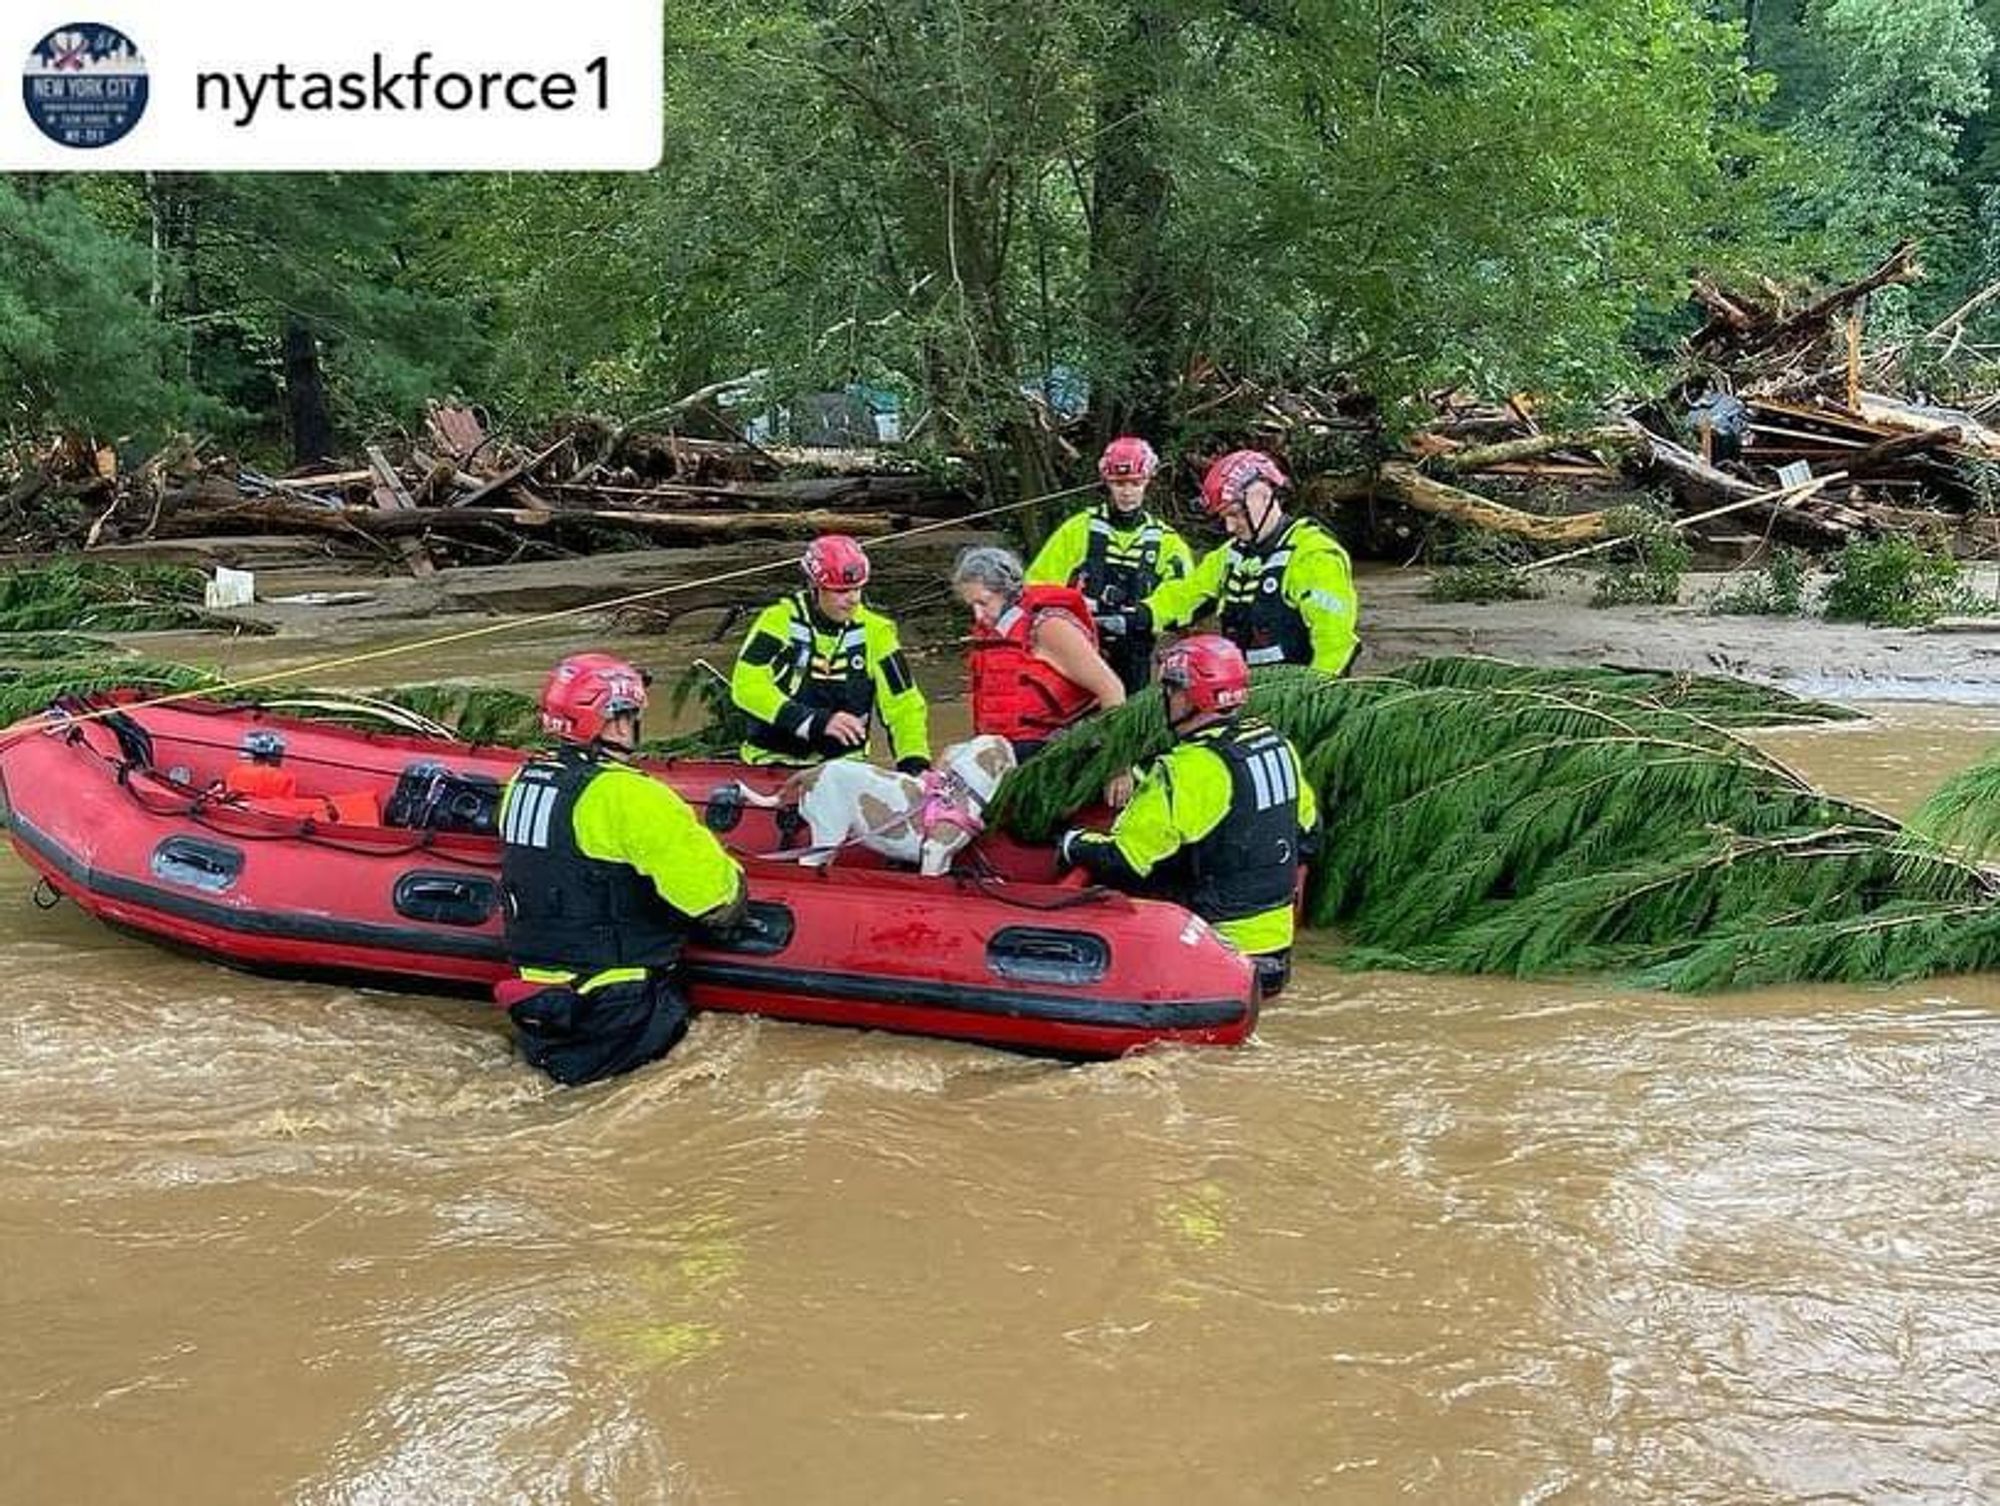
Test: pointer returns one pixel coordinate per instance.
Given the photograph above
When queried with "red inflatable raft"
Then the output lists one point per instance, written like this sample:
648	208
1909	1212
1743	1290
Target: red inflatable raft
370	855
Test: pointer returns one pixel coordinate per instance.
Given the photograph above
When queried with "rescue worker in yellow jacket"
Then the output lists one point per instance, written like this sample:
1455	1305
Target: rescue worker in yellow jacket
816	668
1222	821
1116	553
604	872
1284	587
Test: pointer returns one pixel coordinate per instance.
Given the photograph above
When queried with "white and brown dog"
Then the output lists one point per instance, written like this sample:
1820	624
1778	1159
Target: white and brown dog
925	819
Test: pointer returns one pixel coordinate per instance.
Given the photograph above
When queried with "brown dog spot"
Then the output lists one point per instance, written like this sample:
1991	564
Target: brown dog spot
876	814
996	760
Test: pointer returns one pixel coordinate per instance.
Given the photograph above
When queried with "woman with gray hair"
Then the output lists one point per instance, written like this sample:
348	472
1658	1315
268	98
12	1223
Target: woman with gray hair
1035	664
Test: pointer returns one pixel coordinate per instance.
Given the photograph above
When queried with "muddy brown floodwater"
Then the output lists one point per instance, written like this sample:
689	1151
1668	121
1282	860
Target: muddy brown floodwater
1426	1239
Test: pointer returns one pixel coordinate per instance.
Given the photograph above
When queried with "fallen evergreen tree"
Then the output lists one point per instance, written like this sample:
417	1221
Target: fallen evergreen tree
71	594
1483	818
1963	815
26	690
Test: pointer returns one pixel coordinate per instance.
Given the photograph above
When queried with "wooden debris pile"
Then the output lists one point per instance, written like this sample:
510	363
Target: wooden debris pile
1787	426
460	493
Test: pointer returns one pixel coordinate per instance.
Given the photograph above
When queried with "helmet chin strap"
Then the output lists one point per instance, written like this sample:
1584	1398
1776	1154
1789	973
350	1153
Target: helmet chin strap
1257	525
1191	720
604	744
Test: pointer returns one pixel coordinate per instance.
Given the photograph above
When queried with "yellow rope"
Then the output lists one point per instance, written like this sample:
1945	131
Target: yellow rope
321	666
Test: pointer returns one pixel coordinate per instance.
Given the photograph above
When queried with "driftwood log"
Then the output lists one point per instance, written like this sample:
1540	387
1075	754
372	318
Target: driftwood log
1890	453
1484	457
269	516
1398	482
1702	485
914	496
1914	418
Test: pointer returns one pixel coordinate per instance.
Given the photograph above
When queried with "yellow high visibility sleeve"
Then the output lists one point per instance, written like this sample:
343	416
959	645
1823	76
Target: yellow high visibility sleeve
627	816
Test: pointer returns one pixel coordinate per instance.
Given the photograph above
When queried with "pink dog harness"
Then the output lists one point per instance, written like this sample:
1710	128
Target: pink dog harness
941	809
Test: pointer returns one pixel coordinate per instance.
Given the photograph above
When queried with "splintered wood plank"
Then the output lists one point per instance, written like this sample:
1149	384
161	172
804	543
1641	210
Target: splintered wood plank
391	496
456	431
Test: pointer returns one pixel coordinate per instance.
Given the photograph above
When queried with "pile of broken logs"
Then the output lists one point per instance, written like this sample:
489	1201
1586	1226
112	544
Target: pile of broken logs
1782	430
460	494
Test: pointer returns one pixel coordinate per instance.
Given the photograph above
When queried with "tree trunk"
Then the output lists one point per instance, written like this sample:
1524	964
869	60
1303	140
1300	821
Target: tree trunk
1698	484
173	209
305	394
156	209
1409	486
1034	475
977	374
1472	458
1132	298
191	518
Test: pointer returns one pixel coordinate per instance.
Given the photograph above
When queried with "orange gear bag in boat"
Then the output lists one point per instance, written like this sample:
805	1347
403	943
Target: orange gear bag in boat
275	792
260	781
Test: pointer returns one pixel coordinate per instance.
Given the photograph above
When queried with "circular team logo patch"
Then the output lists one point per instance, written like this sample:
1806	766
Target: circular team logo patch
84	85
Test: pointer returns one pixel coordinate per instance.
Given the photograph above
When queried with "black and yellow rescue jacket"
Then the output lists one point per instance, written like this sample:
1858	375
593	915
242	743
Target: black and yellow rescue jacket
604	870
1221	818
1116	560
796	669
1290	600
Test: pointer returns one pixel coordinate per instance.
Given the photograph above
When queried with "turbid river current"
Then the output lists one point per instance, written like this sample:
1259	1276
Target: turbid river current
1447	1240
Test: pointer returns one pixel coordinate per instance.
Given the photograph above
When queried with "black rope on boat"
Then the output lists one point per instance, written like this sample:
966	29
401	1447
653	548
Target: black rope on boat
197	804
44	888
996	888
985	879
292	755
307	829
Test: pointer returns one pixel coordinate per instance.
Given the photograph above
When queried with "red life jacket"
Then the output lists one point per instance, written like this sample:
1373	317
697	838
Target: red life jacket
1014	694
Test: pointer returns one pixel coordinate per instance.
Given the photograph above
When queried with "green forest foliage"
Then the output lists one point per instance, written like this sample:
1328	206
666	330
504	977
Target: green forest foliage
954	202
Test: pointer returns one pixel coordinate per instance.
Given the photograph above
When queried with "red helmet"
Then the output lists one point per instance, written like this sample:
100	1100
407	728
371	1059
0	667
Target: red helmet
834	562
1230	477
587	690
1210	670
1127	458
